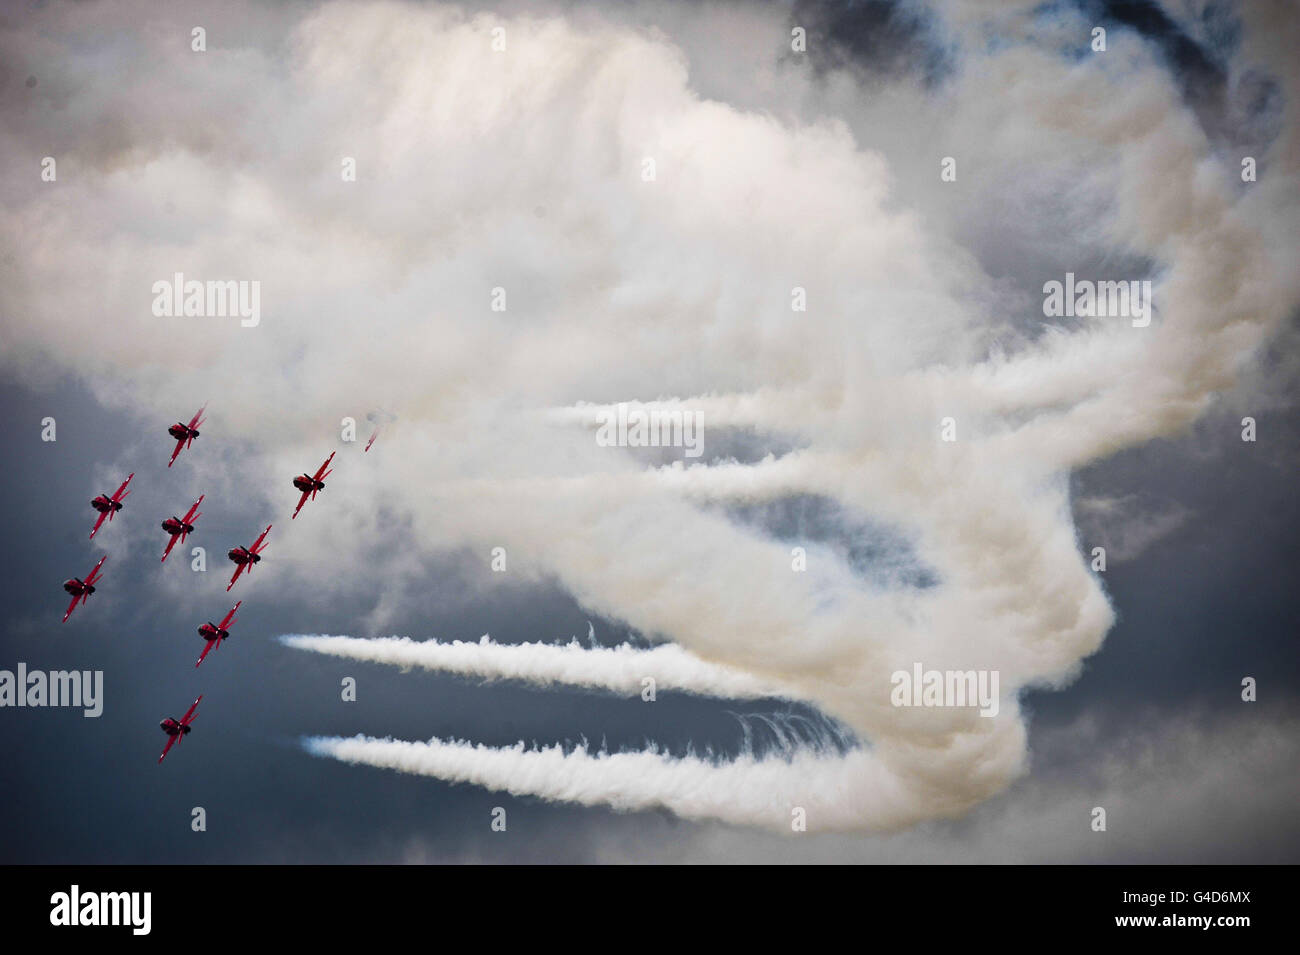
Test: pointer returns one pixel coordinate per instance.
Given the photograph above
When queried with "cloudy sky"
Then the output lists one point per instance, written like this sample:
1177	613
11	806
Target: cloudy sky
823	232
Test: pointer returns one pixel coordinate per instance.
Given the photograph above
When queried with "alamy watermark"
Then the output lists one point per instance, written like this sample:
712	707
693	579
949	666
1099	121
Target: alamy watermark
211	299
76	688
1085	298
74	907
957	688
626	427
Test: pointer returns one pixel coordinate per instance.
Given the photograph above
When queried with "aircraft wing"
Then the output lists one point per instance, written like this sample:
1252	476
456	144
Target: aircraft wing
122	492
94	573
257	544
102	514
195	421
320	471
188	718
190	516
229	618
239	569
301	501
179	444
171	741
71	607
170	544
211	643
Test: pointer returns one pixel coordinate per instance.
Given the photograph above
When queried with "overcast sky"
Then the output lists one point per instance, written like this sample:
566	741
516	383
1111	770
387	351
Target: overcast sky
561	207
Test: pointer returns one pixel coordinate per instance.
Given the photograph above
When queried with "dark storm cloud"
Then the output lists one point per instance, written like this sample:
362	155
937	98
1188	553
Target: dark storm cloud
874	36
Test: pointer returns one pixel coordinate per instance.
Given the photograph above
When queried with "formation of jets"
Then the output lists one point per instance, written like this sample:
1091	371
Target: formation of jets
244	558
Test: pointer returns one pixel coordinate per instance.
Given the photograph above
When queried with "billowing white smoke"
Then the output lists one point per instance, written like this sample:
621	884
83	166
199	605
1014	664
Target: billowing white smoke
837	790
623	669
524	171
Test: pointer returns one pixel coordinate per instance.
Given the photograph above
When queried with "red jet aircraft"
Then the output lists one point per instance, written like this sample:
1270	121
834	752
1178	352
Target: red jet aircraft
185	433
380	418
246	557
310	484
181	527
108	506
176	729
82	589
214	633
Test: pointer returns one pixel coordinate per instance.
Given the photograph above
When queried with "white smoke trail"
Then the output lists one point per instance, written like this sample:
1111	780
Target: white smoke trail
621	669
834	793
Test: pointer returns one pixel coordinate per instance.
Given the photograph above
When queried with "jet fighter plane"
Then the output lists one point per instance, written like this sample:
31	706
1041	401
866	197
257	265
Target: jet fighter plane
214	633
177	729
82	589
181	527
185	433
246	557
309	484
108	506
